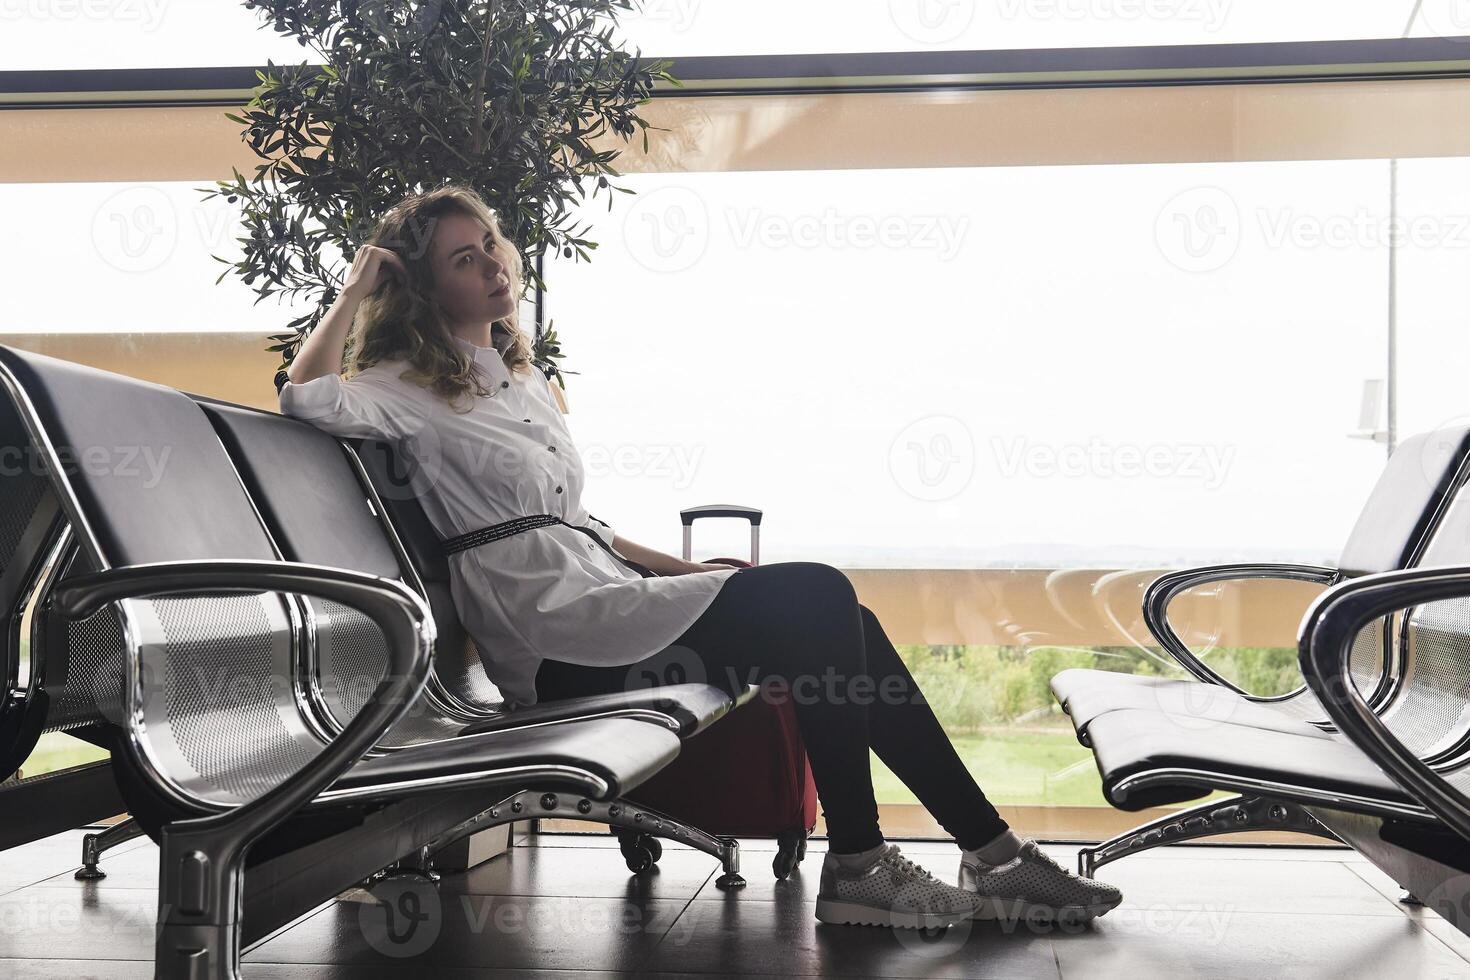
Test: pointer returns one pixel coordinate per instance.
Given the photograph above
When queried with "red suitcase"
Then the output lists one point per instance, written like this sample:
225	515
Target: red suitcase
747	775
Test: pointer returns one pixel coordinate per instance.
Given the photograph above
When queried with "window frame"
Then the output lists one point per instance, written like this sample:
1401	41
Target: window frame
1185	64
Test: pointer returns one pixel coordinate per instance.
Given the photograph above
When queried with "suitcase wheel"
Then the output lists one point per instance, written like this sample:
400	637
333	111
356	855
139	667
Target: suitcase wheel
640	851
790	849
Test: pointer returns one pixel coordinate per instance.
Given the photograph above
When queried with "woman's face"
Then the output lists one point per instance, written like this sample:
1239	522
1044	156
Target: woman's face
471	274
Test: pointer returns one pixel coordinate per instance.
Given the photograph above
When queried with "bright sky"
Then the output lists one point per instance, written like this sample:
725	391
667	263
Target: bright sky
1063	380
1100	365
158	33
1069	365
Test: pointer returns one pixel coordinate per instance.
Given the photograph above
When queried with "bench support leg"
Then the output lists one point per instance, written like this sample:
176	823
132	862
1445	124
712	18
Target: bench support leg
1240	814
200	894
420	863
619	814
94	844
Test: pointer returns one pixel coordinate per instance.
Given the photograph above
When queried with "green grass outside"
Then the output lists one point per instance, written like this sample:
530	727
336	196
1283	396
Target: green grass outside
58	751
1023	765
1014	765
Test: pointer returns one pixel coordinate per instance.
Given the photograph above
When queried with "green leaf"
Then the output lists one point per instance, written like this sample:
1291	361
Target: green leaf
342	140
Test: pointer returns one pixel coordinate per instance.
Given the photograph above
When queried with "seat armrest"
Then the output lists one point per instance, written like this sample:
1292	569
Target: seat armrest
1327	635
1167	587
404	618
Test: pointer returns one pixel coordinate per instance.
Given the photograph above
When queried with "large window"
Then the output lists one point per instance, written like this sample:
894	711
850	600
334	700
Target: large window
1011	367
126	257
1433	278
989	391
999	355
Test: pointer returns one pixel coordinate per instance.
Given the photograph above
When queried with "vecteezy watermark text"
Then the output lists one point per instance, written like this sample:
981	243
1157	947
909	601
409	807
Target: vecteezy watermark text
938	233
1209	464
147	13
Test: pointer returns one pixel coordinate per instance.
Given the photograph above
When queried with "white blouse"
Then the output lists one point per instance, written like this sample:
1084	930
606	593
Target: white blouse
544	593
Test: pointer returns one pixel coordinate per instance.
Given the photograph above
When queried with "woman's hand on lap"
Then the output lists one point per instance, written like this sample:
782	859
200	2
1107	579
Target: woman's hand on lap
690	567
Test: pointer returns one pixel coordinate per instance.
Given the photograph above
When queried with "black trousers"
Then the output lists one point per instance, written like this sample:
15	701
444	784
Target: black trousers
801	623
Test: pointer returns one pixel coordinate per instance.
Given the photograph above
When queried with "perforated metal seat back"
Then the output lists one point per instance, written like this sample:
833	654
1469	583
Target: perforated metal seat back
81	660
219	708
352	654
1368	661
143	478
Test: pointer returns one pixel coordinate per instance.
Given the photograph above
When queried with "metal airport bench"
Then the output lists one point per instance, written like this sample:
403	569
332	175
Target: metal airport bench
304	483
304	486
1391	532
35	700
184	645
1423	740
1334	783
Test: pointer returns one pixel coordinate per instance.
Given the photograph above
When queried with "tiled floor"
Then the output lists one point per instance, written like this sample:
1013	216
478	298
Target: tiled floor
568	908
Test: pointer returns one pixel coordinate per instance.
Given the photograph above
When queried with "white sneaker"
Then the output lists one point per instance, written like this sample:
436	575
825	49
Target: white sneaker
890	891
1033	887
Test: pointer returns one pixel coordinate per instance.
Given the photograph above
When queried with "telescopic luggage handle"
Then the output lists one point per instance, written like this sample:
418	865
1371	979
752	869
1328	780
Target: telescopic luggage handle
691	514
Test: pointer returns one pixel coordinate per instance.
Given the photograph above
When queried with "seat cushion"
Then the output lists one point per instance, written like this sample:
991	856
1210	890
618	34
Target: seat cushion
688	708
1186	759
618	752
306	488
1086	694
1069	683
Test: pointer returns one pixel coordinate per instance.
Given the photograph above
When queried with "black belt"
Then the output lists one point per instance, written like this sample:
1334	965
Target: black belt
494	532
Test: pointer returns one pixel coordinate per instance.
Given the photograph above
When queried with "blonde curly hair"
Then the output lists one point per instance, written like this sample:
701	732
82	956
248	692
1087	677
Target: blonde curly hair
399	321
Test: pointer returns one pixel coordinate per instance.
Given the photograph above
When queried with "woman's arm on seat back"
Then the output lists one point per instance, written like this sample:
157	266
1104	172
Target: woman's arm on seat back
364	406
361	407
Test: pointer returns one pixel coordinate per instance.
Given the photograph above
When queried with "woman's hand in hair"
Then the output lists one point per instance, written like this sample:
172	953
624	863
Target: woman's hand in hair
321	351
371	267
